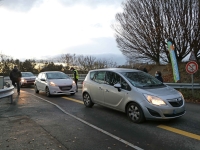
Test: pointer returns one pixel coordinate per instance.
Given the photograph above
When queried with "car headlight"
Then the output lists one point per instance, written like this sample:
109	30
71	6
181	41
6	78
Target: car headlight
155	100
73	83
52	83
22	80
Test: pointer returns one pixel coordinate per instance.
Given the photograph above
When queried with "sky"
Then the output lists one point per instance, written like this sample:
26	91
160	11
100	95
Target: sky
43	29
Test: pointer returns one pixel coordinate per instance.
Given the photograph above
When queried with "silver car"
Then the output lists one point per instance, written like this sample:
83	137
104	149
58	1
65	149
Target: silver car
54	83
138	94
27	79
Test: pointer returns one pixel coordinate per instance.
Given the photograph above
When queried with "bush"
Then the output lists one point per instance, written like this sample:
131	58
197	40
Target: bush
189	95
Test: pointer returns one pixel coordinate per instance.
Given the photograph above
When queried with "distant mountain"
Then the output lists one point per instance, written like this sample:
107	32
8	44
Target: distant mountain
118	58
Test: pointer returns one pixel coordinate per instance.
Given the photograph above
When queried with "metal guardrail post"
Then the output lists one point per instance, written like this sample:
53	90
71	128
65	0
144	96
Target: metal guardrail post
6	90
1	82
11	99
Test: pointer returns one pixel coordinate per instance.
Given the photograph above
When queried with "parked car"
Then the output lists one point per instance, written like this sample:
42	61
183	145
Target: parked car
27	79
54	83
138	94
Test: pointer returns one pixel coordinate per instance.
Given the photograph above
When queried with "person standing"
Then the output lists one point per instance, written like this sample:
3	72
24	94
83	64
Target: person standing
15	77
158	75
76	77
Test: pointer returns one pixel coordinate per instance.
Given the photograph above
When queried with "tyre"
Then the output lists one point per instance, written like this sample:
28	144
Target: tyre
72	93
36	90
87	100
48	94
135	113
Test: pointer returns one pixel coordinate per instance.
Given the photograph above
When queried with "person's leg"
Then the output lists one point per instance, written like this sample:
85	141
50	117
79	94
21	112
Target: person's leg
18	87
76	85
13	83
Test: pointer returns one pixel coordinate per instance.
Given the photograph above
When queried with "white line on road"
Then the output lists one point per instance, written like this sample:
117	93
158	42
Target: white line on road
91	125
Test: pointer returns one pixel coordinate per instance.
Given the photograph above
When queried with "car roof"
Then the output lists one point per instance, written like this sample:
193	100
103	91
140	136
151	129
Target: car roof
118	70
26	72
51	71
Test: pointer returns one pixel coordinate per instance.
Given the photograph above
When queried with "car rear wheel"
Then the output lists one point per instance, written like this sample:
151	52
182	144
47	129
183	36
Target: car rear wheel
87	100
48	94
135	113
36	89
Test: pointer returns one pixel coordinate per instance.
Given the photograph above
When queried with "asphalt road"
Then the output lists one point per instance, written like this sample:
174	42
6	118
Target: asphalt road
178	134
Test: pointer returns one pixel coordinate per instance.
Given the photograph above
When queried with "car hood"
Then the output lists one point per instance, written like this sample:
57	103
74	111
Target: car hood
162	91
62	82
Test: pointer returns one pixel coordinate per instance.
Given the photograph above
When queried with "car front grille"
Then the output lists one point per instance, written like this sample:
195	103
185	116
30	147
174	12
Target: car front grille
174	115
177	102
29	81
65	88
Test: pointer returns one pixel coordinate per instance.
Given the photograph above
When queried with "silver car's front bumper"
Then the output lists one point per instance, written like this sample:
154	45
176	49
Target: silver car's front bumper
163	112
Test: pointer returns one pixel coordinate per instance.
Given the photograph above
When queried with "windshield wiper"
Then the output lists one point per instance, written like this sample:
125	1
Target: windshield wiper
152	85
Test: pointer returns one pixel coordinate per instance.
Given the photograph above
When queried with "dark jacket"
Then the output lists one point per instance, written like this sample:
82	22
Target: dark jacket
159	78
15	75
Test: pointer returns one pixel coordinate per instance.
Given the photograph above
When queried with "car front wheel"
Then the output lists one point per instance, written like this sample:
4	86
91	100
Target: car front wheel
135	113
48	94
87	100
36	89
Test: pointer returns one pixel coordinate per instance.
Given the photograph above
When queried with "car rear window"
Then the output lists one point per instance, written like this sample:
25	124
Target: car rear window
27	74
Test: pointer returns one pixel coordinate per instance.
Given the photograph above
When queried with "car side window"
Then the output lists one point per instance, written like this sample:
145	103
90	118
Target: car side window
125	85
113	78
99	77
92	75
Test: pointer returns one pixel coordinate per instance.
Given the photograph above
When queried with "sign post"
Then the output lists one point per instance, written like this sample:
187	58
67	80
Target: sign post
191	68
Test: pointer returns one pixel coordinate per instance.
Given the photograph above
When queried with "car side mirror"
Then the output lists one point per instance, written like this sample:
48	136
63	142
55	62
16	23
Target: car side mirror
42	79
118	86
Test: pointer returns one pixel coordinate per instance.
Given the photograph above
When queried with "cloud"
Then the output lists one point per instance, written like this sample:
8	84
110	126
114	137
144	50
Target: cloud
20	5
45	28
92	3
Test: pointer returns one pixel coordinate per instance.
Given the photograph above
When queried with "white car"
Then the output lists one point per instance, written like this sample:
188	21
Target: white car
54	83
27	79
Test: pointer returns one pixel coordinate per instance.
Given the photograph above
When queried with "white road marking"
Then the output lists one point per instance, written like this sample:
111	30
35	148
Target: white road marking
91	125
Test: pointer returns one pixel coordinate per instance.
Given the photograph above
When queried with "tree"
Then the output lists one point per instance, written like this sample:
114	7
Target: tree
6	64
50	66
86	63
28	65
68	59
144	26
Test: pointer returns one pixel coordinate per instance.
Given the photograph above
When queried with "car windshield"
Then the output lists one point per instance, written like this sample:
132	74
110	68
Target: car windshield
141	79
57	75
27	74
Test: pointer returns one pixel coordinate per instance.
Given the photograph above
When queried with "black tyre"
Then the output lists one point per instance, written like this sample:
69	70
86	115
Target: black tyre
48	94
72	93
135	113
36	90
87	100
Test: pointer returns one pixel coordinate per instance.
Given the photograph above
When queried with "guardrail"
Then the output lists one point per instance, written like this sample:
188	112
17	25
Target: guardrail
174	85
184	85
6	91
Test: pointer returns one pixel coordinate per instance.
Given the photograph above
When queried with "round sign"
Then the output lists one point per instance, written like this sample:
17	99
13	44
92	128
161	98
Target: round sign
191	67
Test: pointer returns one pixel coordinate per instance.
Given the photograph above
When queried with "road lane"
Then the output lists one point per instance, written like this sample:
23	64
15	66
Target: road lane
147	135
